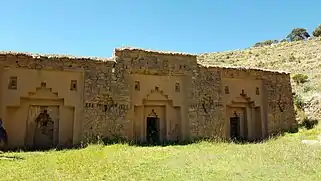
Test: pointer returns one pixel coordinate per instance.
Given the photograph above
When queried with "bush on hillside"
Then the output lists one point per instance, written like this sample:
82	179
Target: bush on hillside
298	101
298	34
300	78
317	31
266	43
307	89
283	40
309	123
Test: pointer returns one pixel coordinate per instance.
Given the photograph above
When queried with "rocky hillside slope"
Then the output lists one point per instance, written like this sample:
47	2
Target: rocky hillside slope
302	57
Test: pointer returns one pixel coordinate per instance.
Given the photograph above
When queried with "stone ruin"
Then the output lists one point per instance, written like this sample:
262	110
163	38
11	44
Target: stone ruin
138	95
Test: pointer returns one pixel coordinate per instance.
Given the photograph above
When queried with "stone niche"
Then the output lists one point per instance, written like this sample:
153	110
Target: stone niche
157	113
41	113
41	120
245	116
243	120
158	106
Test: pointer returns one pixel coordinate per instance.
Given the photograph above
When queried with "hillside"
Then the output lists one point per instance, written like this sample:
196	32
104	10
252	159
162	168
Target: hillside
302	57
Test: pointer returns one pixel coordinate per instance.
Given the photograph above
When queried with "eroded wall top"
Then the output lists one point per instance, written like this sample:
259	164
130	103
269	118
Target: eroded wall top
133	59
38	61
154	62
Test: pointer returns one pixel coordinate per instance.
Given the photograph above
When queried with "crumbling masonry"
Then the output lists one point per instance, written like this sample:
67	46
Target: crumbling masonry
139	95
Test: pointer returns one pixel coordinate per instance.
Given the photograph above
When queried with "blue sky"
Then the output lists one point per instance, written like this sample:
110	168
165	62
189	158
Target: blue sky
96	27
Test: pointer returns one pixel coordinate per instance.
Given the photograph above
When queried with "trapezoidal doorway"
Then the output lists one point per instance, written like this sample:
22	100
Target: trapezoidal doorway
152	130
43	127
235	131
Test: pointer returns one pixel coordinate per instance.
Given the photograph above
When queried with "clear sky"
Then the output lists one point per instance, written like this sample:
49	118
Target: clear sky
96	27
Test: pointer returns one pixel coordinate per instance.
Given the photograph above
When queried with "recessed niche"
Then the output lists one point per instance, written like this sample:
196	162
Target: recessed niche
43	84
227	90
13	83
177	87
242	92
137	85
73	85
257	91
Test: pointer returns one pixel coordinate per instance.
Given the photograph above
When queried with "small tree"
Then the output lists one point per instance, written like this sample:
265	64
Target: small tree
298	34
317	31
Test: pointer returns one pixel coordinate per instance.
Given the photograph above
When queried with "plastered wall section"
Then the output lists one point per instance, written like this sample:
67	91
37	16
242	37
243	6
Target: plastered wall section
161	71
275	96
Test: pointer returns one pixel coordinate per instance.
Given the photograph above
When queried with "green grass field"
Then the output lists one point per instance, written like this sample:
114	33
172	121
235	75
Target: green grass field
284	158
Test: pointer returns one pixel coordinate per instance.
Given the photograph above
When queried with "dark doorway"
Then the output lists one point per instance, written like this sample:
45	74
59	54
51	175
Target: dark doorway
235	128
152	133
44	131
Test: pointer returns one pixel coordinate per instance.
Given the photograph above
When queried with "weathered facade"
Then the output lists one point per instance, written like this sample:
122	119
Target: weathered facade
137	95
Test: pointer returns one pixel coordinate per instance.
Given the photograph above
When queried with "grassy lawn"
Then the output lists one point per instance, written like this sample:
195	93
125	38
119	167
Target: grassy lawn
285	158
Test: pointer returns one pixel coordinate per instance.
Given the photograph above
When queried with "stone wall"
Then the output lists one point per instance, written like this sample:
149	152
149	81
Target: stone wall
206	112
106	100
108	91
280	102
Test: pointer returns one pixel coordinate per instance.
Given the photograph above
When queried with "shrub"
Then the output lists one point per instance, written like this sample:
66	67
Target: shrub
309	123
283	40
298	34
265	43
307	88
292	58
317	31
298	101
300	78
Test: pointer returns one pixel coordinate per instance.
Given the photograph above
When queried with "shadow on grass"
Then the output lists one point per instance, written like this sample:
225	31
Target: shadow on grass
11	158
61	148
119	140
240	141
